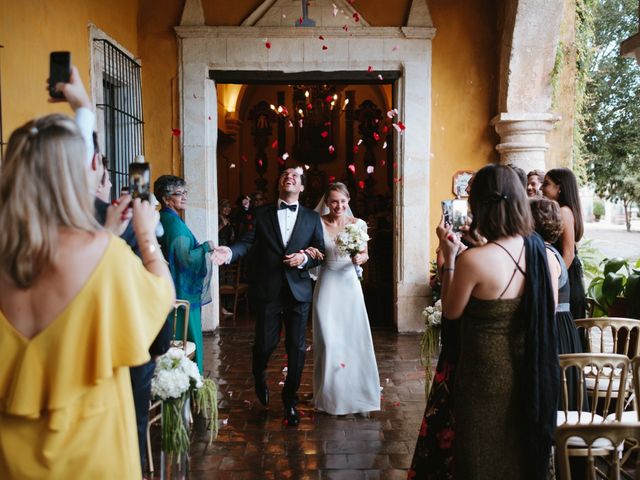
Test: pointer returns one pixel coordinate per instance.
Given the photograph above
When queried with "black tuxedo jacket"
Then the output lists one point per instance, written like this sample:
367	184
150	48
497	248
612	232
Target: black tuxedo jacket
265	252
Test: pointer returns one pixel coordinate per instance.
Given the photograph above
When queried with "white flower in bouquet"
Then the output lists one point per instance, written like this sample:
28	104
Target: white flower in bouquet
351	240
433	315
175	374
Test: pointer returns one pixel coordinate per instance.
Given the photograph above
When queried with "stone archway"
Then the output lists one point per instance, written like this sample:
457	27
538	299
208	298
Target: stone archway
295	49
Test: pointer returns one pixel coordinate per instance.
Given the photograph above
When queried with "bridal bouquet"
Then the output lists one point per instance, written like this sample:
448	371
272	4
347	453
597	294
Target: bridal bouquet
177	382
430	338
352	241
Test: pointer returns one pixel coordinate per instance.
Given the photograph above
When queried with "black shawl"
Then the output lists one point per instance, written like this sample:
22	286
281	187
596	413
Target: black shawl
542	371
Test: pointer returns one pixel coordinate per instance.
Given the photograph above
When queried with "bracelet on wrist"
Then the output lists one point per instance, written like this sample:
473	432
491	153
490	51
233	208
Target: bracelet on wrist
448	269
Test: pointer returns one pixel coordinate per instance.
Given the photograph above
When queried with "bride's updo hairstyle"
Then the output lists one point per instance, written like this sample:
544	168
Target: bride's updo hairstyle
499	205
336	187
43	187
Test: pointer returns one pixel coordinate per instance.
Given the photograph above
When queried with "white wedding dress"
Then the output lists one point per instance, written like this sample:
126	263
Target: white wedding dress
345	376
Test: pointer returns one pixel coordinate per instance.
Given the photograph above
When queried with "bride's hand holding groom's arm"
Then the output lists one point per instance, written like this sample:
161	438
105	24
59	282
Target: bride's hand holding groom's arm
360	258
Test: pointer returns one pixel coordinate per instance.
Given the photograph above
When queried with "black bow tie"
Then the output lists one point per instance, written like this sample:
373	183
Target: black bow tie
284	205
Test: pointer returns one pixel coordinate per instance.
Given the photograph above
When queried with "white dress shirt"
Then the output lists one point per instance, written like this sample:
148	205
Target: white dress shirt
287	220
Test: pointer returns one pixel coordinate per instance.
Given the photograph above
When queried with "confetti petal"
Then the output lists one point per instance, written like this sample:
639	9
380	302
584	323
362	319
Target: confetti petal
380	77
233	165
397	180
260	163
355	149
331	149
370	169
244	158
335	9
332	178
360	142
345	28
290	124
328	98
342	365
352	168
376	137
324	47
384	145
281	383
308	348
383	162
385	129
397	127
361	184
392	113
225	421
285	156
321	37
370	69
209	117
306	167
267	44
395	47
324	134
300	20
274	145
401	125
356	16
309	106
176	132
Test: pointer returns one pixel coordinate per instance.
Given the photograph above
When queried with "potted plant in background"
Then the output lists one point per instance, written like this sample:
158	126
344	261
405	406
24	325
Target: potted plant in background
616	290
598	209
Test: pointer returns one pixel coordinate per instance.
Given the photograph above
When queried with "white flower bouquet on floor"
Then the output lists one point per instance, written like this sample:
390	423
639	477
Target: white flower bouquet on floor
430	341
177	382
351	241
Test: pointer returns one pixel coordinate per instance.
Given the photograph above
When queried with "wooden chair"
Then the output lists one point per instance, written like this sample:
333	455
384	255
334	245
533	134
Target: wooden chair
189	347
230	284
611	334
609	375
597	437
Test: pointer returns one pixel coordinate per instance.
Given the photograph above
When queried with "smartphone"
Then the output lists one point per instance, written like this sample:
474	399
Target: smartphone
59	71
455	213
140	180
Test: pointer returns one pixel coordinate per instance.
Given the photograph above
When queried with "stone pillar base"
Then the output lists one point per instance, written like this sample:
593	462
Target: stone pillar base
523	138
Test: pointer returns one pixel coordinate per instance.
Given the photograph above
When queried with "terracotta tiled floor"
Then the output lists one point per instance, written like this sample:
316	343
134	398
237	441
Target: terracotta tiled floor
253	443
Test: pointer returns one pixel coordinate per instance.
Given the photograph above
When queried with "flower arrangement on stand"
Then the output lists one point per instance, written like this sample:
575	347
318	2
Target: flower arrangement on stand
178	383
430	341
352	241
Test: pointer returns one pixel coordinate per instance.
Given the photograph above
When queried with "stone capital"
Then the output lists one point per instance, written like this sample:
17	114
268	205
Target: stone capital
523	138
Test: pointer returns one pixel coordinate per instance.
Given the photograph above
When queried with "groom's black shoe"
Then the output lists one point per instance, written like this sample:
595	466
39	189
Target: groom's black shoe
262	391
291	417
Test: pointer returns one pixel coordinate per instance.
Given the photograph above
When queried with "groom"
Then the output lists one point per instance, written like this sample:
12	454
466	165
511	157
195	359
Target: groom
279	282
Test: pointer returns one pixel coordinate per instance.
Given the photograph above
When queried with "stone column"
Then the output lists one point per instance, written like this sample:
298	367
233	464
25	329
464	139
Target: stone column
523	138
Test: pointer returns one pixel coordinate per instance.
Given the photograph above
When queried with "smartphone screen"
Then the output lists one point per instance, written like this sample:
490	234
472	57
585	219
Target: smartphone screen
140	180
455	213
59	71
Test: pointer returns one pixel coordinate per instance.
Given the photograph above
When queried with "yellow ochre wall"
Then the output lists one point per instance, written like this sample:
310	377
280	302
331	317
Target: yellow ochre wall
29	30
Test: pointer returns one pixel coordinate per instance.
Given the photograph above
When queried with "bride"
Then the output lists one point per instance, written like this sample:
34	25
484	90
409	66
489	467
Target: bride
345	377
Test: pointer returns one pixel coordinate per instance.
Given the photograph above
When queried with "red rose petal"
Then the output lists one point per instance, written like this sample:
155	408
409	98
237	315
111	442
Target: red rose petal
260	163
385	129
352	168
355	149
300	20
356	16
361	184
332	178
267	44
370	69
209	117
309	106
345	28
176	132
324	47
321	37
397	180
274	145
380	77
244	158
342	365
324	134
331	149
376	137
401	125
383	163
328	98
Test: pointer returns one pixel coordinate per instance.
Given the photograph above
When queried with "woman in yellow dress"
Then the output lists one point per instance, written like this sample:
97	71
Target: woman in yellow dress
77	309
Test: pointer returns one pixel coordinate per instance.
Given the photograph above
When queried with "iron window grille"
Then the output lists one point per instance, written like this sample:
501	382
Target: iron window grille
121	108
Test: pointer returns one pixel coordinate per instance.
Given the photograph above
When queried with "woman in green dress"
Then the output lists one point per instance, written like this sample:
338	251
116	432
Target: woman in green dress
189	263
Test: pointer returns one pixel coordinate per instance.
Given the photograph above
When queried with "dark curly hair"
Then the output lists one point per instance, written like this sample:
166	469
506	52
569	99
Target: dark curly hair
547	218
165	185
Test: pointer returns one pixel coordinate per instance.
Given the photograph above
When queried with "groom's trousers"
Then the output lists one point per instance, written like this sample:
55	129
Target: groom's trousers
270	316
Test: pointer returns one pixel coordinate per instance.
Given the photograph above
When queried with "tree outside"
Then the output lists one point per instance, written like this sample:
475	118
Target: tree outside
611	109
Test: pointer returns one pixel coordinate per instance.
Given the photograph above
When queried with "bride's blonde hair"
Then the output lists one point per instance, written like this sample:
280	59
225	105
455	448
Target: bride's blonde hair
336	187
43	186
